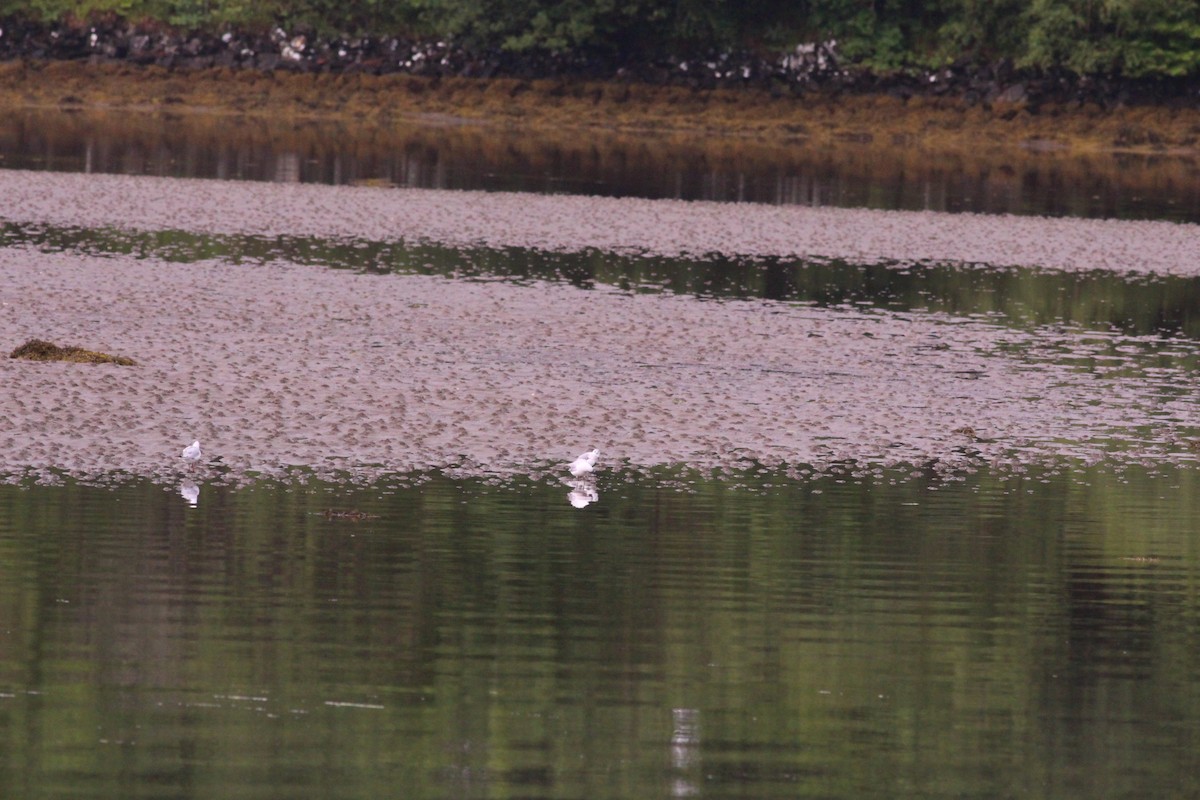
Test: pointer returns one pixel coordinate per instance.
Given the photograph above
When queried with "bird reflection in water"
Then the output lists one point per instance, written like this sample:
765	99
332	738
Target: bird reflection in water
685	752
189	491
583	492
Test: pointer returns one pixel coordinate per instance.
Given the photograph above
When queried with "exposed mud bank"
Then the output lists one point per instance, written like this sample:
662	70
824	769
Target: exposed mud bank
817	116
573	224
282	365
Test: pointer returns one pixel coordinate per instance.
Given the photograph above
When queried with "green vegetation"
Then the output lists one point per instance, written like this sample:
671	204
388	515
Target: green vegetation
1120	38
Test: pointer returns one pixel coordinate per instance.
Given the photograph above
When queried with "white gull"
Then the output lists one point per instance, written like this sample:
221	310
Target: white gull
191	453
584	464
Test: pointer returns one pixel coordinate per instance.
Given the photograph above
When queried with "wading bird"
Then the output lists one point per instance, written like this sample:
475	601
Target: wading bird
584	464
191	453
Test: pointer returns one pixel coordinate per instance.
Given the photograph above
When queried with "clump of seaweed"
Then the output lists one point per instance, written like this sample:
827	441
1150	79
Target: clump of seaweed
39	350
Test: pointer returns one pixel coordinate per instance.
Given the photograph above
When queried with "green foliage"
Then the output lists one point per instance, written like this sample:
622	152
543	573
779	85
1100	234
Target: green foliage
631	27
37	9
341	17
1054	30
1130	38
892	34
186	14
1171	48
1133	38
980	29
530	25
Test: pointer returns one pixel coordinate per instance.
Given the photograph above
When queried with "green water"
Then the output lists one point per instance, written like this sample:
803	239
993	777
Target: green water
983	637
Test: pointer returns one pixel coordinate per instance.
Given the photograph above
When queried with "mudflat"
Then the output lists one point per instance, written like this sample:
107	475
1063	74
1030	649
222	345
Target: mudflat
358	375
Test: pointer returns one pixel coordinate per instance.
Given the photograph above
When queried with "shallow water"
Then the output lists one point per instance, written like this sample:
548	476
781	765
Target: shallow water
754	637
1015	181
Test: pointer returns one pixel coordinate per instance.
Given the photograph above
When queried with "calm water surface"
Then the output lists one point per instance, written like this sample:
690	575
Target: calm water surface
986	637
1015	180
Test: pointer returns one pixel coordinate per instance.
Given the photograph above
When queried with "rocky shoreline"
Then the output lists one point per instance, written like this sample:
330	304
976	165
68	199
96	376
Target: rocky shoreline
815	73
810	67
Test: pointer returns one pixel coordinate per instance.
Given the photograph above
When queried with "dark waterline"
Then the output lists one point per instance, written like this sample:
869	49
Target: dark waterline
474	157
755	637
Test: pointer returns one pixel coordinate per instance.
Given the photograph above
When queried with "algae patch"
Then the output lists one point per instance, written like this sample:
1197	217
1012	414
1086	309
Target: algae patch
38	350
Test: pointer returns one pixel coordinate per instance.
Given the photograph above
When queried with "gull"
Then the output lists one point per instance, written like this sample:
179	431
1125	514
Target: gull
584	464
191	453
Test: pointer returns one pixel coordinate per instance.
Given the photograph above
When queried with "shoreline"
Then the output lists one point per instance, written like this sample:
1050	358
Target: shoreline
818	118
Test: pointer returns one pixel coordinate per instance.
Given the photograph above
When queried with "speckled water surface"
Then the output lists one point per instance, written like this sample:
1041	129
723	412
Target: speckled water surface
280	364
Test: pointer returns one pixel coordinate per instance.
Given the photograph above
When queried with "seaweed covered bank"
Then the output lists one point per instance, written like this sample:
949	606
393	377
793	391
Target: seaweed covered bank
282	365
1018	113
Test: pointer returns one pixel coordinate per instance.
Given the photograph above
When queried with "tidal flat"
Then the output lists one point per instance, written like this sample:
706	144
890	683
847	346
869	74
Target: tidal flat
284	365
